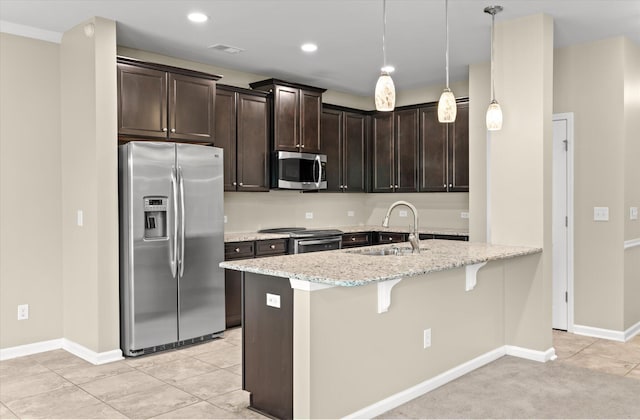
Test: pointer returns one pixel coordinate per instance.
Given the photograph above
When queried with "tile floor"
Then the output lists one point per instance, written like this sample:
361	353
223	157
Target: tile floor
198	382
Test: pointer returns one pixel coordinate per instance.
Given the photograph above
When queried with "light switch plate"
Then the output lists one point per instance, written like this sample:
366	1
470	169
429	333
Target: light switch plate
601	214
633	213
426	335
80	218
464	215
403	213
308	215
273	300
351	213
225	219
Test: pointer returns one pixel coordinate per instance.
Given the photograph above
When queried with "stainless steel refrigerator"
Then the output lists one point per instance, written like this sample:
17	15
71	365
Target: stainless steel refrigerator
171	242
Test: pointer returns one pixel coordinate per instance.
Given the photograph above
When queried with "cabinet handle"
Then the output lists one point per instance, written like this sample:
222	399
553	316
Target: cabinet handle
241	184
444	186
235	183
341	186
272	246
164	129
237	250
396	186
391	186
353	238
450	185
346	187
297	145
173	130
302	146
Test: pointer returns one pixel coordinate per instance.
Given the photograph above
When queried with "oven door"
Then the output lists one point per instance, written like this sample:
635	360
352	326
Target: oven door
301	246
301	171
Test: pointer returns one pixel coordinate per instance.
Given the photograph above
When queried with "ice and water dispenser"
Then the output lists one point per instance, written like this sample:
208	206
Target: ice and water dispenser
155	217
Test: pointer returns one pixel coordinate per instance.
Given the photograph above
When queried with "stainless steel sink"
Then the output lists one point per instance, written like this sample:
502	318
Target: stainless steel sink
384	251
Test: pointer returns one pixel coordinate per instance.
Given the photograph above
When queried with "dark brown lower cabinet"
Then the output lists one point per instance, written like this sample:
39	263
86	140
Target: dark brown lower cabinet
267	345
233	298
389	237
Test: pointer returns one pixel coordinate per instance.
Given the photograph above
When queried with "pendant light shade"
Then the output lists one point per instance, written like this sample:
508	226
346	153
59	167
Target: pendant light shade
385	93
494	112
447	108
494	116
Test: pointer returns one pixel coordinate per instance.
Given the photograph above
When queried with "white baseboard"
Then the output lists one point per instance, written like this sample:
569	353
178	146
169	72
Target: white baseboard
28	349
90	355
61	343
429	385
535	355
632	332
599	333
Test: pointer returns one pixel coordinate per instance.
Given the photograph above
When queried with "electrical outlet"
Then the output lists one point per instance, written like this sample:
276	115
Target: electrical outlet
80	218
403	213
427	338
351	213
601	214
23	312
308	215
633	213
225	218
273	300
464	215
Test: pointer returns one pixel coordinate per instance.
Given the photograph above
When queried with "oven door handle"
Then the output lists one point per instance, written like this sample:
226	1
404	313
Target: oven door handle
317	241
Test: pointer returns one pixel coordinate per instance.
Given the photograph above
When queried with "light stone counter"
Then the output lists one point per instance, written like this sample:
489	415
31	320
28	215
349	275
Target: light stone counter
348	267
255	236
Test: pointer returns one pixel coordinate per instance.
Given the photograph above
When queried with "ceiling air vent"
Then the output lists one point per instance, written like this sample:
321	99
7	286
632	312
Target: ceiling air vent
225	48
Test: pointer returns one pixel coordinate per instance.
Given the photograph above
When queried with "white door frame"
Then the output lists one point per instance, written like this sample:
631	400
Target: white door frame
568	117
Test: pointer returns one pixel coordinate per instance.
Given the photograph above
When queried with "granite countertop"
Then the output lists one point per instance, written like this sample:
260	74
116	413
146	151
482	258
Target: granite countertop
348	267
255	236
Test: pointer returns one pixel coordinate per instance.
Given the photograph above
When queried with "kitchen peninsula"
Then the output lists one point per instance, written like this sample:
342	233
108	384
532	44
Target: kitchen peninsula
356	332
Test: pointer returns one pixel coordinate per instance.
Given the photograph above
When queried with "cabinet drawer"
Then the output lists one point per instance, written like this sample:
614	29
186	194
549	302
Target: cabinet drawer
236	250
355	239
271	247
390	237
452	237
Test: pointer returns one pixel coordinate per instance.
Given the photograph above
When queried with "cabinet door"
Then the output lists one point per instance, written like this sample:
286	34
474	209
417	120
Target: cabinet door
191	108
459	150
253	143
226	134
142	102
354	145
310	108
433	151
382	153
406	137
233	298
332	146
286	117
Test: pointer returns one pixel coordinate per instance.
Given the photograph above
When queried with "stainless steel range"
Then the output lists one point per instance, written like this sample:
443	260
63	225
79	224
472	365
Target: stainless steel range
302	240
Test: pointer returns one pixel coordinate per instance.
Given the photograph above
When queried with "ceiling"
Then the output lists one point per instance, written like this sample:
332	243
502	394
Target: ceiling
348	33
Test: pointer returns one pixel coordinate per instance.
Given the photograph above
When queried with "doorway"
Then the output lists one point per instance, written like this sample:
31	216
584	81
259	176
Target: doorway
562	222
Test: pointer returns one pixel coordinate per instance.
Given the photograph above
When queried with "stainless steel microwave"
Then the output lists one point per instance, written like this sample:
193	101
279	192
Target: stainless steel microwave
299	171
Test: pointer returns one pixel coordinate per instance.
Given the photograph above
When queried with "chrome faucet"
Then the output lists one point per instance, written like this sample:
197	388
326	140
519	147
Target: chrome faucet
414	237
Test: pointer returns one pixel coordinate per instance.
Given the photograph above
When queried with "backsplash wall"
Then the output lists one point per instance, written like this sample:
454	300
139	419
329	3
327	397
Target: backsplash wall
249	212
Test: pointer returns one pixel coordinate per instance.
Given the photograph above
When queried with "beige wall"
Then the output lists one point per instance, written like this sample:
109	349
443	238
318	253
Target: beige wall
30	190
385	351
588	81
631	181
248	212
89	183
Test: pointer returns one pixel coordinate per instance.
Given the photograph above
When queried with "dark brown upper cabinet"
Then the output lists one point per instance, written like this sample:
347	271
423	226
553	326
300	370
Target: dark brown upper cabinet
344	142
444	151
164	102
242	130
394	151
296	115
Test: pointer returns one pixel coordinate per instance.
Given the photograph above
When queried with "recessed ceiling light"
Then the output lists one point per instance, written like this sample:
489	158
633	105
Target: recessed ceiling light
197	17
309	47
388	69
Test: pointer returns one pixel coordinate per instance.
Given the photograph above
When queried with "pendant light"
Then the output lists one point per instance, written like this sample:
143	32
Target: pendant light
447	109
385	93
494	112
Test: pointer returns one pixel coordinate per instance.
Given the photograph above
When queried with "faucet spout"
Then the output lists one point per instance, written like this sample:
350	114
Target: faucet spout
414	237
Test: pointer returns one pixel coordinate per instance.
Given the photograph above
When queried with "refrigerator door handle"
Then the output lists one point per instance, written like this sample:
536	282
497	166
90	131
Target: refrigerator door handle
173	240
182	218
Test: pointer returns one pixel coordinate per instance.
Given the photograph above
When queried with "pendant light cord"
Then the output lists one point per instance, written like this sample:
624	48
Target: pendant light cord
493	87
384	31
446	54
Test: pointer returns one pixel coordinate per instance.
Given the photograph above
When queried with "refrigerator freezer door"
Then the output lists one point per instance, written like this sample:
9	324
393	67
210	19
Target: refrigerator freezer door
148	288
201	282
